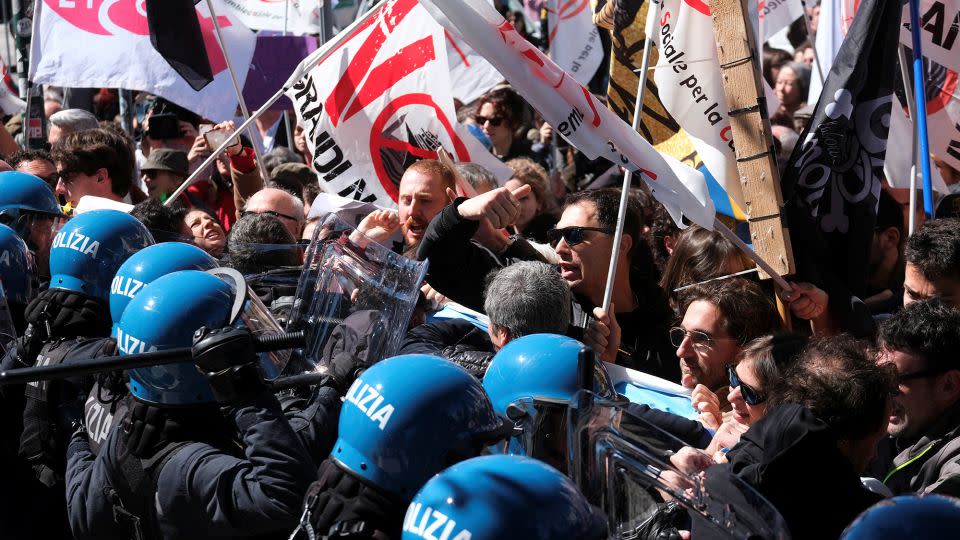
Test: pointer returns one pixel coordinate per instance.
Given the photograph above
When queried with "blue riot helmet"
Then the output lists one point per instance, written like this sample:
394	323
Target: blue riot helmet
29	206
408	417
498	497
531	381
17	270
164	315
908	516
89	249
149	264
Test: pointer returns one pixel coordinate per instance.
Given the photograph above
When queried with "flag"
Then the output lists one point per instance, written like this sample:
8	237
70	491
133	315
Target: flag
836	18
288	16
939	31
105	43
575	114
381	101
574	41
775	15
471	75
175	33
831	184
10	100
943	128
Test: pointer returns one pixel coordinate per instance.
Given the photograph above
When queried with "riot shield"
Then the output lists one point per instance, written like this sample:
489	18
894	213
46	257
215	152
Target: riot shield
626	466
251	313
353	296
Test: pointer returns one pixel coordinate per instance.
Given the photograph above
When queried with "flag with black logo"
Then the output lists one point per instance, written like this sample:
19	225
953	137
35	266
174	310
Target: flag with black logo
831	185
175	33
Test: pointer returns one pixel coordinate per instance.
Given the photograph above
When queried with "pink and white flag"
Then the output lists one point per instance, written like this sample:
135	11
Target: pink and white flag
471	75
575	114
106	43
381	101
775	15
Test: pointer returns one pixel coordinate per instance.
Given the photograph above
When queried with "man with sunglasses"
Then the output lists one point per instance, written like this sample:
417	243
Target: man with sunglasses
94	162
923	341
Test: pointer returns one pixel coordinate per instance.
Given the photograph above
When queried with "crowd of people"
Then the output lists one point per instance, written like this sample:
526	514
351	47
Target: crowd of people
479	424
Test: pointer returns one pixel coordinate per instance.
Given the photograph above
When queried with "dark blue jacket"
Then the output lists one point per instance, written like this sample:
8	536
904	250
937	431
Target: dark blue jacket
203	491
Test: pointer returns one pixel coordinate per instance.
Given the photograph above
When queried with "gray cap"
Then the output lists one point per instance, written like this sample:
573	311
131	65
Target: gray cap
165	159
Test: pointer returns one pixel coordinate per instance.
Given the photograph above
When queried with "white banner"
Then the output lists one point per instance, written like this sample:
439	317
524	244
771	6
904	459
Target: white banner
471	75
775	15
382	101
836	16
574	39
940	26
575	114
104	43
294	16
898	163
691	88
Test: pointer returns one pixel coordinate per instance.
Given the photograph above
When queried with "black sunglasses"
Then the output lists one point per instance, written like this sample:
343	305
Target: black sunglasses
750	394
269	213
922	374
572	235
494	120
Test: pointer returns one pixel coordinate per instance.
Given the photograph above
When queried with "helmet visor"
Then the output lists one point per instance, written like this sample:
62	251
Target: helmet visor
37	229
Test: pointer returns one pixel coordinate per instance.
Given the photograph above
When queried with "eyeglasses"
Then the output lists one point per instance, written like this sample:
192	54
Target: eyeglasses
66	177
922	374
494	120
750	394
269	213
699	340
572	235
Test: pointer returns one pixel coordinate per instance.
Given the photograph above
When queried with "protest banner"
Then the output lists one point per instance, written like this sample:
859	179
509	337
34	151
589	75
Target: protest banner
382	101
117	53
574	40
288	16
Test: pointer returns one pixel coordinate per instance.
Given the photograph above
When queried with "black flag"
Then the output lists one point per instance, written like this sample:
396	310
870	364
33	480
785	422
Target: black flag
831	185
175	34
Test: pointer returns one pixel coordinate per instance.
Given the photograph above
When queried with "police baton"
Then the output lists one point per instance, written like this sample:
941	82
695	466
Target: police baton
265	343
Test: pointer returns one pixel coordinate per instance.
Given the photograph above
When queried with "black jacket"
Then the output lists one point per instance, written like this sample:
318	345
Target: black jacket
791	457
456	340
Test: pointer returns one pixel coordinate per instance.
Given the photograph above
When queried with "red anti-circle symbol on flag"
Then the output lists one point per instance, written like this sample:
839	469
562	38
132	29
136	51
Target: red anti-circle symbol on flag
379	140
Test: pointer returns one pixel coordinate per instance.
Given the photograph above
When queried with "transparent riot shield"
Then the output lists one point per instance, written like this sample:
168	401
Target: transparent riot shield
250	312
354	295
630	469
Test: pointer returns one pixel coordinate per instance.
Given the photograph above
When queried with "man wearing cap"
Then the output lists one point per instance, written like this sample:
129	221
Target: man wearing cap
163	172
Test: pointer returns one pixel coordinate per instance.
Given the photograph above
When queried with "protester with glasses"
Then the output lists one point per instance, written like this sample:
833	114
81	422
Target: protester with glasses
922	341
500	114
279	204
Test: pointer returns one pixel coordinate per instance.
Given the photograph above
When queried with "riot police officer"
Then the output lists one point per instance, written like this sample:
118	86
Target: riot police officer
29	206
69	320
178	465
17	276
404	419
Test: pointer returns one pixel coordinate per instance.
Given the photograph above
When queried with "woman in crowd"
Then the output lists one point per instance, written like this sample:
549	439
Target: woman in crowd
793	83
698	255
500	114
537	211
206	230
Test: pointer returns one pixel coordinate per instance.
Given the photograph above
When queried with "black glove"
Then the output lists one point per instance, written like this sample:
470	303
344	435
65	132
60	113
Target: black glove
70	413
226	358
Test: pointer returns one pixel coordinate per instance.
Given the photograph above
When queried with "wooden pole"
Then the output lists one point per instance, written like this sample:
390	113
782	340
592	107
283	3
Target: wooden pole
750	126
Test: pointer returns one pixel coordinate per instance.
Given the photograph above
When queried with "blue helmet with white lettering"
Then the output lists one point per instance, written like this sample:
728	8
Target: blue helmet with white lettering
907	516
22	193
408	417
531	381
496	497
149	264
16	267
164	315
89	249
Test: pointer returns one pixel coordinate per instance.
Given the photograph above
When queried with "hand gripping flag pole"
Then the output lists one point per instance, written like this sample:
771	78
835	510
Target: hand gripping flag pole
251	132
315	57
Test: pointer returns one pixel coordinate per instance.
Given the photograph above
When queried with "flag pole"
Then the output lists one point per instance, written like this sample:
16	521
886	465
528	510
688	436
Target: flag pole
254	137
912	108
920	98
313	59
653	12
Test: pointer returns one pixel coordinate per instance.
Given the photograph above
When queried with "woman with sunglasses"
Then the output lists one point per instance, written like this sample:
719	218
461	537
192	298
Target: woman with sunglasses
758	368
500	114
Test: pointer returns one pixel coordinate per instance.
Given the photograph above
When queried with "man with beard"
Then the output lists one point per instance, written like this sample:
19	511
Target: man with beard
922	342
422	195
